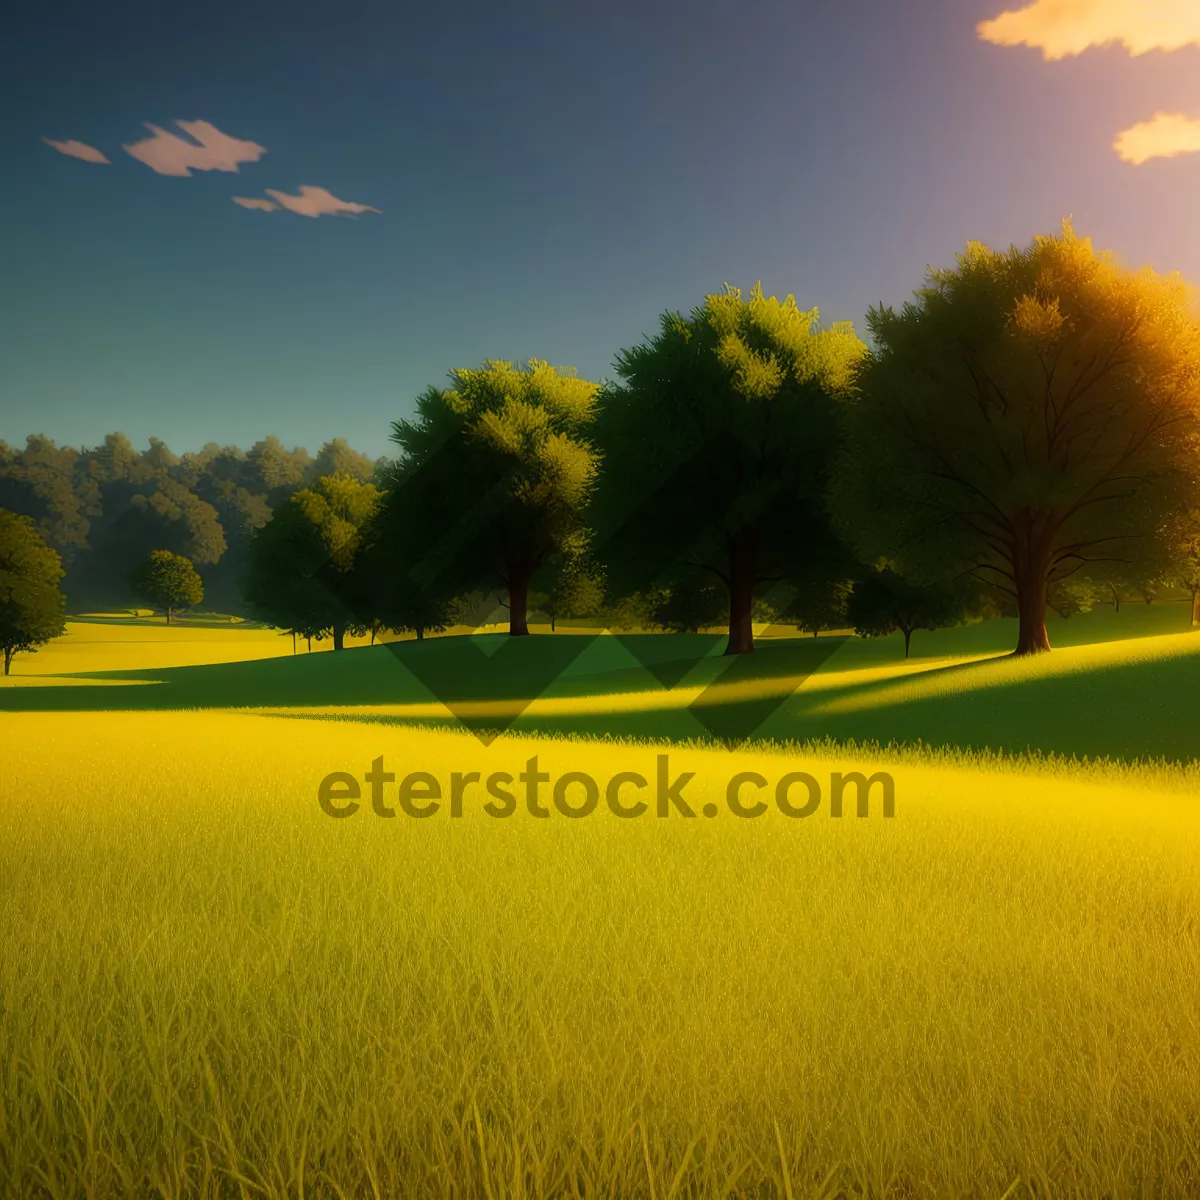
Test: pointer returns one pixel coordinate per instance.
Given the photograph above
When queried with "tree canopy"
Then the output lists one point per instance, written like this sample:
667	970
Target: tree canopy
718	444
1030	415
883	602
302	574
31	604
169	581
493	482
105	508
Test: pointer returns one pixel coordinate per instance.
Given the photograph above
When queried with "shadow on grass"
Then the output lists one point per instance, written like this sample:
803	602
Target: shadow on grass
1125	710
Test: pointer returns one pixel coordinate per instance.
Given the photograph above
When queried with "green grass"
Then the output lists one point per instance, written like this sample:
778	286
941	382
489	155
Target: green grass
208	988
1127	706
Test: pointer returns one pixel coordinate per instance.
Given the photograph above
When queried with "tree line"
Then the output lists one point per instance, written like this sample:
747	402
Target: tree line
104	509
1022	435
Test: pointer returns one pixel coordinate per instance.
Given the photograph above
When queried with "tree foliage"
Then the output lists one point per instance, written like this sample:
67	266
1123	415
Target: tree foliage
493	482
883	602
169	581
718	444
302	574
31	604
104	509
1029	416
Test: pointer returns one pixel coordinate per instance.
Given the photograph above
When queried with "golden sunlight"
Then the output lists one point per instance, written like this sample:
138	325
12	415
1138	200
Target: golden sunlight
1060	28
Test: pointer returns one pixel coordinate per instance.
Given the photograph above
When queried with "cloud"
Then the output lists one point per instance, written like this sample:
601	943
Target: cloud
212	150
255	202
73	149
317	202
1060	28
1165	135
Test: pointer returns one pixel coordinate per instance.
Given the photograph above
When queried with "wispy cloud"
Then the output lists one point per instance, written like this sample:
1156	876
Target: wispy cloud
317	202
255	202
1059	28
74	149
1165	135
212	150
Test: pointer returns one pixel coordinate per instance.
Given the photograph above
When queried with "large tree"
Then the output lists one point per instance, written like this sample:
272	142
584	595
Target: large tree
493	481
718	444
302	574
1030	415
31	604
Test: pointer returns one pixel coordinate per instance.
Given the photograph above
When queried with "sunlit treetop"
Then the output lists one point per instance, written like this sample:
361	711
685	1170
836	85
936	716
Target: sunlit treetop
535	416
340	508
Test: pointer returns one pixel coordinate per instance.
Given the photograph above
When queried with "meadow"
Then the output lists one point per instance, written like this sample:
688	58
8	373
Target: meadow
211	988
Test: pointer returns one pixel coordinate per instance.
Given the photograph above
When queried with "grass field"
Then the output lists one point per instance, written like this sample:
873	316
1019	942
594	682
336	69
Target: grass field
209	987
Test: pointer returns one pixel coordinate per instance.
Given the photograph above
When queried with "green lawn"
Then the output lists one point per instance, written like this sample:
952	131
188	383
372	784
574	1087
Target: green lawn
1123	685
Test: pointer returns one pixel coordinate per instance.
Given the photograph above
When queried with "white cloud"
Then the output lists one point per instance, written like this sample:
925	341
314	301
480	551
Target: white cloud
1165	135
1060	28
255	202
75	149
212	150
317	202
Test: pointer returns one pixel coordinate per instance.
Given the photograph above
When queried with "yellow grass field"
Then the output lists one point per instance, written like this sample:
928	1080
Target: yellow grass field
211	988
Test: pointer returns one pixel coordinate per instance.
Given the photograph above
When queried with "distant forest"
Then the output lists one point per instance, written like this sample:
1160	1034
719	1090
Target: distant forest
104	509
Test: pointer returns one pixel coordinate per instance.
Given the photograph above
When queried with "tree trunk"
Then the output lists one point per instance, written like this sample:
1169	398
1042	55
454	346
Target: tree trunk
168	614
339	636
293	643
1116	599
907	639
741	592
518	599
8	657
420	632
1195	606
1031	568
553	618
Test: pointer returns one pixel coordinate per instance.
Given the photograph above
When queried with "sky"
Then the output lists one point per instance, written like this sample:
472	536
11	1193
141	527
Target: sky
223	221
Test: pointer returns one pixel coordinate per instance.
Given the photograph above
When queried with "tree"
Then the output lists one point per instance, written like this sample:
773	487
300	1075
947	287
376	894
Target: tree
1029	416
31	604
718	443
168	581
43	482
394	598
1184	538
883	602
302	572
691	605
819	603
338	458
577	591
493	481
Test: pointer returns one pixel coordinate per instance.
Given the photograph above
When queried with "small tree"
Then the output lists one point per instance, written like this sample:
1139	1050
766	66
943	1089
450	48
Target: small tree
691	605
168	581
883	602
819	603
31	604
578	591
1184	540
302	573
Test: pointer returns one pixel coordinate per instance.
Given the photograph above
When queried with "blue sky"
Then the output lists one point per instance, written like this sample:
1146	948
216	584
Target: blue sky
550	179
